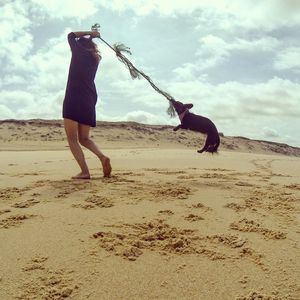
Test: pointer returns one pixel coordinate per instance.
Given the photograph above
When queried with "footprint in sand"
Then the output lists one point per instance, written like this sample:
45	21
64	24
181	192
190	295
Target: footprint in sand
155	236
4	211
294	186
128	173
95	201
168	190
154	169
134	239
246	225
26	204
257	295
235	206
219	170
230	240
271	200
193	218
44	283
13	193
263	165
200	206
218	176
15	220
36	263
166	212
188	177
244	184
84	206
170	172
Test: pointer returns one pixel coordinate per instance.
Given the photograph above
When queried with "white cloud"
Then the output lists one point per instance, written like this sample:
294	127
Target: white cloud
267	15
139	91
48	67
212	51
12	80
6	113
186	72
15	101
263	44
45	75
110	67
49	107
139	116
270	133
288	58
15	39
228	14
79	9
235	100
166	7
143	117
11	98
215	50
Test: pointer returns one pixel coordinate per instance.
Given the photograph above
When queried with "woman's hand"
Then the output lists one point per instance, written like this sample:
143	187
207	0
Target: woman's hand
95	34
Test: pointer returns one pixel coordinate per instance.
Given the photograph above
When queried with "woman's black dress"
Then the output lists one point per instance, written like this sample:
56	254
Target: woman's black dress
81	95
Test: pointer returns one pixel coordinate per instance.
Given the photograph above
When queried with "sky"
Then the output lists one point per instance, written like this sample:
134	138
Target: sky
237	61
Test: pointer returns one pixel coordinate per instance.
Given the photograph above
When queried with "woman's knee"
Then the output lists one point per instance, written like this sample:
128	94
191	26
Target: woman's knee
72	139
84	140
71	128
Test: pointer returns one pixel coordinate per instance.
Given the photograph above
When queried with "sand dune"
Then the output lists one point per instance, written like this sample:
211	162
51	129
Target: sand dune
168	224
49	134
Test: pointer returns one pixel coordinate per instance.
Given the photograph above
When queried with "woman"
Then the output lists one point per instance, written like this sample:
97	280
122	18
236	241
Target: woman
80	100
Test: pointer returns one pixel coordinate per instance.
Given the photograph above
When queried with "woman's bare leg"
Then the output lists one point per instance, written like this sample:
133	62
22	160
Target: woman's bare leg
84	140
71	128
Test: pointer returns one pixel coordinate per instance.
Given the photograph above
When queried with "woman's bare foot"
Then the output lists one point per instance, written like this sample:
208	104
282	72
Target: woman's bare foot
106	166
82	176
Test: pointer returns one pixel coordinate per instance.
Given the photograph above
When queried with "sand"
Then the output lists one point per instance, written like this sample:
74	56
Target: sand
168	224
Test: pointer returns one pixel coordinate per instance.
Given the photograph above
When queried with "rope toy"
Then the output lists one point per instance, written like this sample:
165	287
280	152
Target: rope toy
118	48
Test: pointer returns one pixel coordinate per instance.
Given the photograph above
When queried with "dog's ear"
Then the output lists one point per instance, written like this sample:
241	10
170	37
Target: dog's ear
189	105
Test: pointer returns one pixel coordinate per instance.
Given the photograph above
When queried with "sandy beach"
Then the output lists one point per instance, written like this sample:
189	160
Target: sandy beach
168	224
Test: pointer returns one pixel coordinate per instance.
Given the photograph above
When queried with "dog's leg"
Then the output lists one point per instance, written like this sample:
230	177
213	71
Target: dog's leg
177	127
201	150
211	144
205	147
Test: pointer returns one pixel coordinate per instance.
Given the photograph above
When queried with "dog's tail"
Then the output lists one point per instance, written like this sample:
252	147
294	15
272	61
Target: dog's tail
211	144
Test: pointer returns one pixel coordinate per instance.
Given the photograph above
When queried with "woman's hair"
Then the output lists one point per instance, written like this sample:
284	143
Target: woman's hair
90	46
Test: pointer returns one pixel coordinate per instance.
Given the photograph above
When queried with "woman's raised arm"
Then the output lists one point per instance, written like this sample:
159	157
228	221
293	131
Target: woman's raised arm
93	34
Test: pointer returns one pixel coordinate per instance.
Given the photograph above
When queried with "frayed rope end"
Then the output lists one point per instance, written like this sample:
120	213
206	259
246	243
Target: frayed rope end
171	110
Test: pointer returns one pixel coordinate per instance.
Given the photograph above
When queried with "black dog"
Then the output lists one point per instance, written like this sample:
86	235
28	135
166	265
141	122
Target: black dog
197	123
